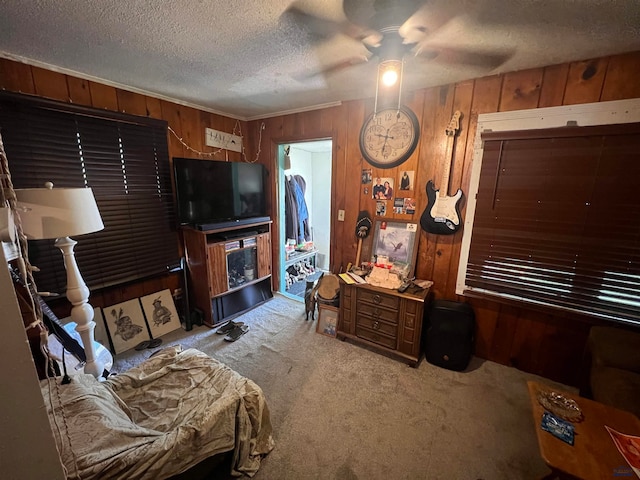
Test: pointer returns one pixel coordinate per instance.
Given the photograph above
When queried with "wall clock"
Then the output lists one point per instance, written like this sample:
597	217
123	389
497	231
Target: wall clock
389	137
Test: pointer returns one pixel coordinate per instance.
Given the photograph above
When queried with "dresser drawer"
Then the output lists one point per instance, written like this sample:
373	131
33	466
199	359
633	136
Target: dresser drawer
379	299
378	326
377	313
375	337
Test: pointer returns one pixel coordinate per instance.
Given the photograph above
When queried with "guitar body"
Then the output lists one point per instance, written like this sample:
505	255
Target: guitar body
442	214
76	365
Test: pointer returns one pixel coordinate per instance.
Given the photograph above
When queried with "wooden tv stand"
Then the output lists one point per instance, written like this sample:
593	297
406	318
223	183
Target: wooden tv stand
229	269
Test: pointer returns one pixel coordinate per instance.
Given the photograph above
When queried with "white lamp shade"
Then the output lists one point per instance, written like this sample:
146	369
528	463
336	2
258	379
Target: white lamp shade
58	212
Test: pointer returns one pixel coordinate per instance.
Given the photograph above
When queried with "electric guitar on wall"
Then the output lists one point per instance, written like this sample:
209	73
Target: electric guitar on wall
442	214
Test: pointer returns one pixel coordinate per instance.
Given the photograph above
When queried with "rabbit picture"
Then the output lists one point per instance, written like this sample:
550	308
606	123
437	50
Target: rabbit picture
124	326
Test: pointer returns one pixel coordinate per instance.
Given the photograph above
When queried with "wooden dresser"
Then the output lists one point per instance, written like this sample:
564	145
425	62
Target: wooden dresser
384	319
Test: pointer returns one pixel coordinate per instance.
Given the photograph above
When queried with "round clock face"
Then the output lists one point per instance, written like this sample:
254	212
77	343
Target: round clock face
389	137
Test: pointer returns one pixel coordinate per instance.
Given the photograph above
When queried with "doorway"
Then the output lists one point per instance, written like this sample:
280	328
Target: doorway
305	206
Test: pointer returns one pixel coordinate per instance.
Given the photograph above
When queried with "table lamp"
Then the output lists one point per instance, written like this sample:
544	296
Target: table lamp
48	213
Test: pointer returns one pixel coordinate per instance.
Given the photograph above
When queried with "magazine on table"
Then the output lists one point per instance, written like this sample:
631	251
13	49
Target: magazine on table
629	448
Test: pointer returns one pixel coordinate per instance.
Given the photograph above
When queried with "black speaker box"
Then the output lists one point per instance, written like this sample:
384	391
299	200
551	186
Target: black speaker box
450	334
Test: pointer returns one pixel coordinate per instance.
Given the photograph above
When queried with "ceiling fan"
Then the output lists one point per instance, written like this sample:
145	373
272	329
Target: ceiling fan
392	30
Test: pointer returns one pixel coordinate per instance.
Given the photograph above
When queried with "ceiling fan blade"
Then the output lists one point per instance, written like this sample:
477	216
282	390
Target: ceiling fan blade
333	69
324	29
378	14
426	20
464	56
358	11
320	28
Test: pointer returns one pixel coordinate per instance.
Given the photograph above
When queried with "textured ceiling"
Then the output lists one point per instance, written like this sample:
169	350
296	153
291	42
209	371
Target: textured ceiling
255	58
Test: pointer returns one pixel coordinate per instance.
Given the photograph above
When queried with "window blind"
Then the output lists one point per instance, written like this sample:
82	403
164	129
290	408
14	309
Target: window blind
557	219
123	158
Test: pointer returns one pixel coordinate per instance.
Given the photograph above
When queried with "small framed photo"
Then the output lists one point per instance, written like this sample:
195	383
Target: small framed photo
327	320
406	180
126	325
161	313
410	206
382	188
366	176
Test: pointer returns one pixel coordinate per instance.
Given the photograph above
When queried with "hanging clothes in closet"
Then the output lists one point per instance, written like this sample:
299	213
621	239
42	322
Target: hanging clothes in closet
295	209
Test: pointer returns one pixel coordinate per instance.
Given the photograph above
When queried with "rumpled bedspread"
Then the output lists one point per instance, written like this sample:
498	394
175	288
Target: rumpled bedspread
158	419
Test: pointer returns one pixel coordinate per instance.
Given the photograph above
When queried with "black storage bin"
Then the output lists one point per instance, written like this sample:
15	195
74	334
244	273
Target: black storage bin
450	334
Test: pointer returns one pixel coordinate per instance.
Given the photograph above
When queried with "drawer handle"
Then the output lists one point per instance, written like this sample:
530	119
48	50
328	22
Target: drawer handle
377	298
376	312
376	325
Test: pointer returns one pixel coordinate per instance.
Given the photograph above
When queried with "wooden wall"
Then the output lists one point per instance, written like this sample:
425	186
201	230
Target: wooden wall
534	341
187	123
530	340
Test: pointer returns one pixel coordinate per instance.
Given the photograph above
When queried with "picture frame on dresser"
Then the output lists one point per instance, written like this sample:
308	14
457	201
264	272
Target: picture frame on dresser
395	242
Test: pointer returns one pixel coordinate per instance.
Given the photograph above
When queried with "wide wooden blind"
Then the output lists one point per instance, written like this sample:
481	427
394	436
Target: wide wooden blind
557	219
124	159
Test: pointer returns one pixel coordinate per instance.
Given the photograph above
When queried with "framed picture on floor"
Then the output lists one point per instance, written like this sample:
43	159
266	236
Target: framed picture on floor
327	320
125	324
161	313
100	332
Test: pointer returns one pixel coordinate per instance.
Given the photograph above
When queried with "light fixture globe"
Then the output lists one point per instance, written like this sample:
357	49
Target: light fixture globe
391	52
389	75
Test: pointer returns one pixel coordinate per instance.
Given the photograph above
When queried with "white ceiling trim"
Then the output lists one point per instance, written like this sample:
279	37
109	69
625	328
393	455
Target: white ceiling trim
296	110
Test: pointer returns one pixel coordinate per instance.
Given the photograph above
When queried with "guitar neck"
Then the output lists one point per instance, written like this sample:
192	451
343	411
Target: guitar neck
53	323
57	328
448	158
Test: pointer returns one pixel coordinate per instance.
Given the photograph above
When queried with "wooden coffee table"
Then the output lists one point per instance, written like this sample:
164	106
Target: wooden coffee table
593	454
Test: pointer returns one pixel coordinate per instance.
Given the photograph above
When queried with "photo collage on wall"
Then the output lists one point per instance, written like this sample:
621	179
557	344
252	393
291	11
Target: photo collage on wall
391	195
125	325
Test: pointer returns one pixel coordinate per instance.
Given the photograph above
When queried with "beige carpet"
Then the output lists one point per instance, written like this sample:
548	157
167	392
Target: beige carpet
342	412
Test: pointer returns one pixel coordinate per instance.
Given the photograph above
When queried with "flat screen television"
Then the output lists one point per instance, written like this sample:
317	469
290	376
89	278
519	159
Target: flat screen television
214	194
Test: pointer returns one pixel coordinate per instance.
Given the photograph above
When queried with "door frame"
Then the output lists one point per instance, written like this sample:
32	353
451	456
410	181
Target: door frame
277	150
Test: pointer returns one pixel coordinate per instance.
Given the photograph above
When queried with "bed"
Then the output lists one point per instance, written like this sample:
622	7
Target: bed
159	419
